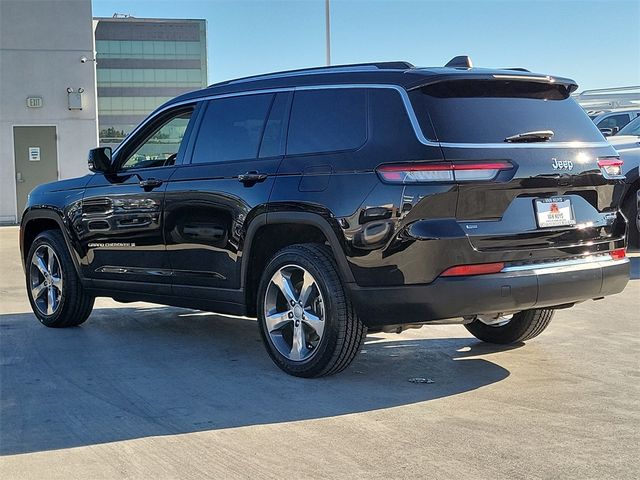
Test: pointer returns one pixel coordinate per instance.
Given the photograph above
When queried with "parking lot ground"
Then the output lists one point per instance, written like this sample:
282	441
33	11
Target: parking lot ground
145	391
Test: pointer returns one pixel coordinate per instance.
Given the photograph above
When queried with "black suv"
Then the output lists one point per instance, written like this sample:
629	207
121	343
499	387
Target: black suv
333	201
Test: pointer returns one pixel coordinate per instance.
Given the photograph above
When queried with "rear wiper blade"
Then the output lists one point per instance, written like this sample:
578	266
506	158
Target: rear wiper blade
537	136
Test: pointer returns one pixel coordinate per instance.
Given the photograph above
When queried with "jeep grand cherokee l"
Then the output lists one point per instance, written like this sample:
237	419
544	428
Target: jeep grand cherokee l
331	201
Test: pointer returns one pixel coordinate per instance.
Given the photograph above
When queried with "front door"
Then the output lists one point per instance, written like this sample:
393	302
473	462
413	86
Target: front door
122	211
209	201
36	160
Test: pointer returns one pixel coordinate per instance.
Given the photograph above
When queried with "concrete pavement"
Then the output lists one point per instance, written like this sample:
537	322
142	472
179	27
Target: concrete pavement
144	391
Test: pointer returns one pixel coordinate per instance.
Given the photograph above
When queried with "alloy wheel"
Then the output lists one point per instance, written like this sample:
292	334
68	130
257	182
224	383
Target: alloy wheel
294	313
45	276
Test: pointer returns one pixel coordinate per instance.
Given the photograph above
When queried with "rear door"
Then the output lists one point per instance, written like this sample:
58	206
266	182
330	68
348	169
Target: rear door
555	193
122	212
209	201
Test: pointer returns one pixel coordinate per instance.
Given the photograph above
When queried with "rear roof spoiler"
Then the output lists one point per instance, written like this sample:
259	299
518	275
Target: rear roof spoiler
481	74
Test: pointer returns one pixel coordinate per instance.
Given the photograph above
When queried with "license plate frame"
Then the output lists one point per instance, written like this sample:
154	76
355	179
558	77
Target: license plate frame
554	212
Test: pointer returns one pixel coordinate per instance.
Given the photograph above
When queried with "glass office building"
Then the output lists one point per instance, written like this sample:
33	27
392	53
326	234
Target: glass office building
142	63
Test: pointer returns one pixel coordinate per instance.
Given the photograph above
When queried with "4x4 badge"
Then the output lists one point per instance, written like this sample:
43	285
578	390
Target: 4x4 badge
561	164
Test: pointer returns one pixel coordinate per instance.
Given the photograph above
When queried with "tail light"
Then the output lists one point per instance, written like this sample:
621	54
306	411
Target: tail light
611	166
476	269
442	172
618	254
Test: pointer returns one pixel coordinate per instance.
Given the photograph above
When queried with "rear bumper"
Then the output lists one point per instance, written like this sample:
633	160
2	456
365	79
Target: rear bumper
513	289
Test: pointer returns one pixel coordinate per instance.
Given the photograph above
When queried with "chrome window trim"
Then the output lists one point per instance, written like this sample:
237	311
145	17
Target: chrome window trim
405	100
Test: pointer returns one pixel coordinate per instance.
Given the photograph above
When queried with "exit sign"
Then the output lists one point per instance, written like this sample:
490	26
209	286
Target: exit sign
34	102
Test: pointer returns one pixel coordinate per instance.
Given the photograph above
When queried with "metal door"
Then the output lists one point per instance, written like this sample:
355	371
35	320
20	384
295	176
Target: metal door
36	160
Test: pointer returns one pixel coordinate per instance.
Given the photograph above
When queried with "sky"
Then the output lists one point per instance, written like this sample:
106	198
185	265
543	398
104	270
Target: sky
597	42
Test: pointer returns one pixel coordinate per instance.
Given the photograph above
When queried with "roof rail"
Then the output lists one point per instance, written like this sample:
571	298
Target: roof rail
400	65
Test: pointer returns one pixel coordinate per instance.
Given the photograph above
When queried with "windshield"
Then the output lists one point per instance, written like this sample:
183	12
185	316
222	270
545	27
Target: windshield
631	128
489	111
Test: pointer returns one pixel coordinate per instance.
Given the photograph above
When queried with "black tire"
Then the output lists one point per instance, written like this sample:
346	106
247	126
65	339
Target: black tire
522	327
74	305
343	331
630	211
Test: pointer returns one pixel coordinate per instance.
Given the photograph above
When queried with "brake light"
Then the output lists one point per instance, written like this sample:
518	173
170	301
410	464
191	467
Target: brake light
477	269
611	167
618	254
442	172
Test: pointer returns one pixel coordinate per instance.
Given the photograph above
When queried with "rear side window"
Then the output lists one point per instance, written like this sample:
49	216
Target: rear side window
327	121
231	129
614	121
488	111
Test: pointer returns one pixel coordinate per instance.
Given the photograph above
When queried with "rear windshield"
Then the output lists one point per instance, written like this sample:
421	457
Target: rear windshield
488	111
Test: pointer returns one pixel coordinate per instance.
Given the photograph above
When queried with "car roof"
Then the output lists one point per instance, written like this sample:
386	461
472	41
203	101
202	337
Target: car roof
621	110
401	74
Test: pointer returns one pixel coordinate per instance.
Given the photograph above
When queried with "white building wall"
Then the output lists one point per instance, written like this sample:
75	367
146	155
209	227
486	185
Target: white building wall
41	43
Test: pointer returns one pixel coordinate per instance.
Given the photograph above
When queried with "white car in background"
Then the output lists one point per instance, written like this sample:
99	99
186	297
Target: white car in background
627	143
610	122
628	136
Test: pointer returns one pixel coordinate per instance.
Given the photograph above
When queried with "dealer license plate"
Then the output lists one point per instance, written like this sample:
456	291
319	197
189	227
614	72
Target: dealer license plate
554	212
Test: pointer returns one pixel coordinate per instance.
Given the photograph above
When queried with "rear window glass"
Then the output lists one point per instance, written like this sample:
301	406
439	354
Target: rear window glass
327	121
488	111
232	128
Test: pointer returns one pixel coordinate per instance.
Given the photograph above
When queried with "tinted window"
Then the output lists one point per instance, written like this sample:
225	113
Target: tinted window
614	121
488	111
327	120
161	147
231	129
274	136
631	128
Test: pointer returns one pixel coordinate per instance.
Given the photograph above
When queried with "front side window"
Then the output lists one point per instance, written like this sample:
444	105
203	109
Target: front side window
161	147
327	120
231	129
614	121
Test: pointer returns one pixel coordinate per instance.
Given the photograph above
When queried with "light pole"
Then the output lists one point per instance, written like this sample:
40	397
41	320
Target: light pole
327	26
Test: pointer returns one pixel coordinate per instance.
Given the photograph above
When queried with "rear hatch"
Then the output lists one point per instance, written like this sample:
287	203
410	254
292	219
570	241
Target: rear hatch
563	187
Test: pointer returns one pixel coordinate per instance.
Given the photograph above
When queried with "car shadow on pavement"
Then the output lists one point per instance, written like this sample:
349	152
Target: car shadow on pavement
137	372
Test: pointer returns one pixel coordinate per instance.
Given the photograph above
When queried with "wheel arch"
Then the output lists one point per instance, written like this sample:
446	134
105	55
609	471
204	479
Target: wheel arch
37	220
283	229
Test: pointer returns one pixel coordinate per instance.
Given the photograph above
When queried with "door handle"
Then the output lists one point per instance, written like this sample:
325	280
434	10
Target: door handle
150	183
252	177
19	178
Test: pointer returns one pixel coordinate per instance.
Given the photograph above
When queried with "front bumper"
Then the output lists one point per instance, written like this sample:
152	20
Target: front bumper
516	288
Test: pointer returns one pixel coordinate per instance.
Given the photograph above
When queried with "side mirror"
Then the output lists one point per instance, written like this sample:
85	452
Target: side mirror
607	132
100	160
